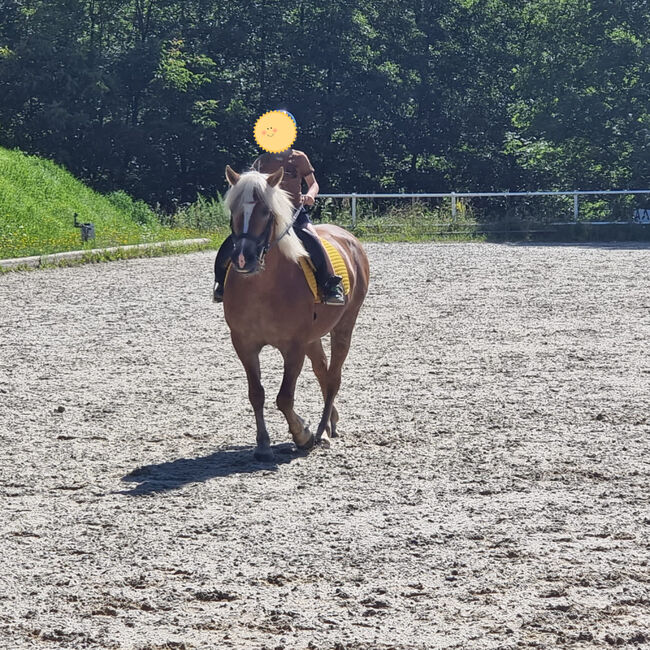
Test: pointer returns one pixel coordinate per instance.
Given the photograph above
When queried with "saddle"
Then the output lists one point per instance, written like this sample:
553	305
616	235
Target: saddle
337	264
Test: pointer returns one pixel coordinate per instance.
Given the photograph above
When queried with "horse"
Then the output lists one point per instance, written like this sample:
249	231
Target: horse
267	301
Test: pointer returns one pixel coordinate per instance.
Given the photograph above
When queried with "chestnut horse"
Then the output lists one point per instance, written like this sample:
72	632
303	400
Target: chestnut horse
267	301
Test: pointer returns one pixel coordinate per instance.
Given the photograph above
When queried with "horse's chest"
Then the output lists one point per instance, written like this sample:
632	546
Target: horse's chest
269	320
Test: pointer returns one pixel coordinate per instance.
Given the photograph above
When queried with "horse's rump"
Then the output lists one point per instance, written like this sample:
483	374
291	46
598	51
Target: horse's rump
349	247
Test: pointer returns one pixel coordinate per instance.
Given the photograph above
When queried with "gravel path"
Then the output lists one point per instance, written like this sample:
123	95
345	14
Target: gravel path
489	490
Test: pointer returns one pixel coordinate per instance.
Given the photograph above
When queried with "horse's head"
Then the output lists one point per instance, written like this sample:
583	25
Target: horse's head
256	207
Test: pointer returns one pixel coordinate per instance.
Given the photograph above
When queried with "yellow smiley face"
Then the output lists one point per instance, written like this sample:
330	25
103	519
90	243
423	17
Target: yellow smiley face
275	131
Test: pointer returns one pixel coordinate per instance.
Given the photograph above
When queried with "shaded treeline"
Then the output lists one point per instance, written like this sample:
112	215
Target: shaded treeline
156	96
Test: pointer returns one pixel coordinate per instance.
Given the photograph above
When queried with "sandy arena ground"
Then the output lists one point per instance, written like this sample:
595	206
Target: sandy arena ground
490	488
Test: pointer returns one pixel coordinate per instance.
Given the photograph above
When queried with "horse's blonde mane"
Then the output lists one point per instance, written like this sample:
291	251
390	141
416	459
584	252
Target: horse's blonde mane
279	204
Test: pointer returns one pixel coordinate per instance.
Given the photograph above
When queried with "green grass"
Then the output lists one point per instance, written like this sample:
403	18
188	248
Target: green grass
38	200
204	215
412	222
415	227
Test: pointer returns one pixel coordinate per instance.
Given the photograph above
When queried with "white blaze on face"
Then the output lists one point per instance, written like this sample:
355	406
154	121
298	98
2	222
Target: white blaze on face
249	206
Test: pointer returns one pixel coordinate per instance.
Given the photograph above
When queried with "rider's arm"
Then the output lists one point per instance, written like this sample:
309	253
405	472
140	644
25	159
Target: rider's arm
312	189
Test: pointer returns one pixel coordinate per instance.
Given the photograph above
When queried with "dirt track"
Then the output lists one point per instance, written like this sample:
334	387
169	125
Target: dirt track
489	490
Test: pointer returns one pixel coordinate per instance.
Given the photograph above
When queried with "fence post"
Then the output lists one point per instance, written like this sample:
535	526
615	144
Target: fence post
575	207
453	206
354	209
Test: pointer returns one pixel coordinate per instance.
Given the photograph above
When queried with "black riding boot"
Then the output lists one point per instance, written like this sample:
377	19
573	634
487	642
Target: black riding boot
330	285
220	265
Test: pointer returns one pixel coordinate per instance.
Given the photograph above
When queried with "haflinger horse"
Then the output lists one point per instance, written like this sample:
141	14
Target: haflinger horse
267	301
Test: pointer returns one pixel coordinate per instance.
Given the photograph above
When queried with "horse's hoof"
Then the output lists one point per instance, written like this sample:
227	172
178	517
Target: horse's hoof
324	441
263	455
308	445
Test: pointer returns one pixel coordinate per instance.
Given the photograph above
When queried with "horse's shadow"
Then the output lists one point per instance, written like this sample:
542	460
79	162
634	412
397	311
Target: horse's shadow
172	475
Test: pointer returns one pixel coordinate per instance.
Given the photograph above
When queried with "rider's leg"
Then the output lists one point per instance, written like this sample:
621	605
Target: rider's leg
220	266
329	284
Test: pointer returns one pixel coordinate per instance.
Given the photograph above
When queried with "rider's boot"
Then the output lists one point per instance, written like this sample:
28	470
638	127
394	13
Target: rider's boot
333	292
217	292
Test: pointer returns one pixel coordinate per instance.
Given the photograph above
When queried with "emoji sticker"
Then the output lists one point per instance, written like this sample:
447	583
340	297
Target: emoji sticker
275	131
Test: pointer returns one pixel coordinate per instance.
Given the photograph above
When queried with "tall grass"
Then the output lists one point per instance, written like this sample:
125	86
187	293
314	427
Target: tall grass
205	214
402	220
38	201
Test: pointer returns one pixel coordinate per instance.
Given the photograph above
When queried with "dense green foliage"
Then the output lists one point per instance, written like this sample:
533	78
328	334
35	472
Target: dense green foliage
156	96
38	201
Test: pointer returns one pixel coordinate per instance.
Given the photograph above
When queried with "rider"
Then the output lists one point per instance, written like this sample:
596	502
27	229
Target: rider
297	168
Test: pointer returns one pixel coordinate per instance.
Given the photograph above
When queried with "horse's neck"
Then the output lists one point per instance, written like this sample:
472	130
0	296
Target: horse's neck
275	260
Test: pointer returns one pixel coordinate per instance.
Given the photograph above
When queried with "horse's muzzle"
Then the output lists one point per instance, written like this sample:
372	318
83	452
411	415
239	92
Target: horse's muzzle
245	260
249	269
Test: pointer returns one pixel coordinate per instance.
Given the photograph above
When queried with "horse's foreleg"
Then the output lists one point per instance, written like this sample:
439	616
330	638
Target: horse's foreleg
250	359
293	361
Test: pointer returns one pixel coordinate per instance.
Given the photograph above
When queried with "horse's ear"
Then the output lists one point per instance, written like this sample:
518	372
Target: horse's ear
231	175
275	178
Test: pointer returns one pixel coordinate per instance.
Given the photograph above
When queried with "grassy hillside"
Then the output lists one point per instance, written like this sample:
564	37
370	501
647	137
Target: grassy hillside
38	200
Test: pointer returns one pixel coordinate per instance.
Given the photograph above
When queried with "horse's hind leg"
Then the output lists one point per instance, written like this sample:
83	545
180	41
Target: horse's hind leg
249	356
334	420
294	358
341	337
319	365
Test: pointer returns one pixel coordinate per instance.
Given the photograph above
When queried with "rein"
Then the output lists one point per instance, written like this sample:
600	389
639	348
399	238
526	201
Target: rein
286	230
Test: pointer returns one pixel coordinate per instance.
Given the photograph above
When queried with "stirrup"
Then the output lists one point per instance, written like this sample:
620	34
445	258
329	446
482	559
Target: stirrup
217	292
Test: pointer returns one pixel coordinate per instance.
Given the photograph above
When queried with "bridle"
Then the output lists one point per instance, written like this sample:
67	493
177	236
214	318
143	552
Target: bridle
263	243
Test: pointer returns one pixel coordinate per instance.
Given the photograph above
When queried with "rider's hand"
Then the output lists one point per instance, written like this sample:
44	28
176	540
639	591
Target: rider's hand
306	199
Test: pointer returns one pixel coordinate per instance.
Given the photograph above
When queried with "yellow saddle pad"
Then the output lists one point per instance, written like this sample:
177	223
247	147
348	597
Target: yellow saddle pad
337	264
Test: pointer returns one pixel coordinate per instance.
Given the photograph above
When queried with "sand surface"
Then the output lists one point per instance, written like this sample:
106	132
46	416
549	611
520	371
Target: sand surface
490	489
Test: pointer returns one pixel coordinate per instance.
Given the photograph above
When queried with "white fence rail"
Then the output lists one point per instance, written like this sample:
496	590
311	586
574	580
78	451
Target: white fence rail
454	196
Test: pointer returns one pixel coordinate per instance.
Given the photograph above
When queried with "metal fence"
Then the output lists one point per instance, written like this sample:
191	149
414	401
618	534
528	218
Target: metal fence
640	215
